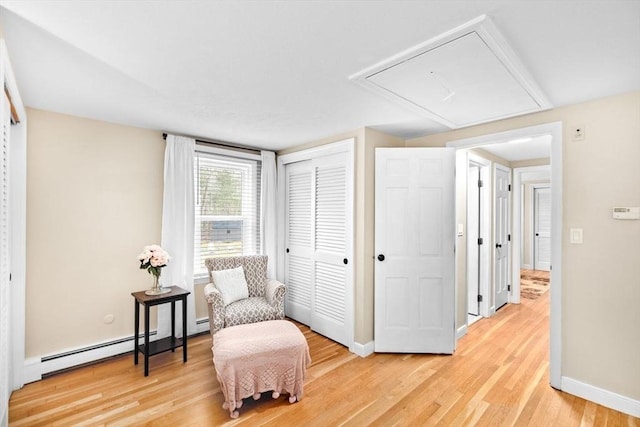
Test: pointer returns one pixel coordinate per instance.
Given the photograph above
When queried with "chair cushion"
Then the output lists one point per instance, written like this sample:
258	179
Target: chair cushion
255	270
231	283
249	310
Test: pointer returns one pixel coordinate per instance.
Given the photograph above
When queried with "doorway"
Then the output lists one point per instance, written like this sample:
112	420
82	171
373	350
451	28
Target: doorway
554	132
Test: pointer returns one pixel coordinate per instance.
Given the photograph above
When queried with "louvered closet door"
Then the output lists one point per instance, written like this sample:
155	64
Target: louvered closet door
298	238
332	229
4	258
319	239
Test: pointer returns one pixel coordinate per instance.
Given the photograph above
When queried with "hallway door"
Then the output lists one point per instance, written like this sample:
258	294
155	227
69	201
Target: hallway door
501	229
542	228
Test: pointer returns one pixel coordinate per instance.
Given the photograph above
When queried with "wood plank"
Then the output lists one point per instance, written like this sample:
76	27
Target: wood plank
498	375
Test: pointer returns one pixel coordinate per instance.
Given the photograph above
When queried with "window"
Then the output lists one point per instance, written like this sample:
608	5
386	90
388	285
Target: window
227	211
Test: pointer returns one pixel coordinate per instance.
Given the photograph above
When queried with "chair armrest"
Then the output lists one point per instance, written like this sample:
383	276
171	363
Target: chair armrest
274	293
215	307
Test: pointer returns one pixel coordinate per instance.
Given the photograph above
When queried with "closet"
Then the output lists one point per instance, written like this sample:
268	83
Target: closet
317	186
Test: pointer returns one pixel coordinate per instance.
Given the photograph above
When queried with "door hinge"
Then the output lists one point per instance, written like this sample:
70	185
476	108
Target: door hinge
479	298
508	237
508	288
509	188
480	241
480	183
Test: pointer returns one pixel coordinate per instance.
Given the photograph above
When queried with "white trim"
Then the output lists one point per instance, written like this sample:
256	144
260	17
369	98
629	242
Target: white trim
601	396
555	130
363	350
32	370
462	331
319	151
200	148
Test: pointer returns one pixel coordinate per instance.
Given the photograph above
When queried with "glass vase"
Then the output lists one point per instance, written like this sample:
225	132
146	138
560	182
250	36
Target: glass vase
156	288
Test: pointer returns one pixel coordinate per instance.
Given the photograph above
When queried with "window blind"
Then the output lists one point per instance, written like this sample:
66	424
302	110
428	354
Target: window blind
227	211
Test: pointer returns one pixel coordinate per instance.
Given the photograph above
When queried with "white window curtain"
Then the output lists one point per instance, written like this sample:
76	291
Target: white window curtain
269	211
178	230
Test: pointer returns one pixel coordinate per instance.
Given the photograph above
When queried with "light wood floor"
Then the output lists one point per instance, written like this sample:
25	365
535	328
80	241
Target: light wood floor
498	376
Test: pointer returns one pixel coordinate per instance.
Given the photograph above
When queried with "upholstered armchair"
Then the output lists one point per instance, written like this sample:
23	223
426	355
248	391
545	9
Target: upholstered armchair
265	299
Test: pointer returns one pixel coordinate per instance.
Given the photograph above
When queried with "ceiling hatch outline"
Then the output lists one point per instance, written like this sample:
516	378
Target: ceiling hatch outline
463	77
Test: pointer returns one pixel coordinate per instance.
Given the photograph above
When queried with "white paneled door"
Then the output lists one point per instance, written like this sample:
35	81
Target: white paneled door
414	241
319	241
542	228
501	235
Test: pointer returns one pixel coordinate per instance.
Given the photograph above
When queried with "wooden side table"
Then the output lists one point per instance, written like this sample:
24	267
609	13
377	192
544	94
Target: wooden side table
164	344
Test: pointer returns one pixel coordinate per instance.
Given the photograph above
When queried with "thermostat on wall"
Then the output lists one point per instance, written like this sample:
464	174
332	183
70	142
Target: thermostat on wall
626	213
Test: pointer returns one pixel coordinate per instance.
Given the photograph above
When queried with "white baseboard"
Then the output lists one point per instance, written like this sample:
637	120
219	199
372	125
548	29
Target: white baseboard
35	368
601	396
363	350
202	325
32	370
461	331
84	355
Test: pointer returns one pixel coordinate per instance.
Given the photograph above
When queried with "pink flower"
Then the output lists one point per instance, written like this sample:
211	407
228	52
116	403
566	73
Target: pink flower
152	258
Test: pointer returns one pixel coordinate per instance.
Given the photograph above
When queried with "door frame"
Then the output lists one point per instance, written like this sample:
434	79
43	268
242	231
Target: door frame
484	231
554	129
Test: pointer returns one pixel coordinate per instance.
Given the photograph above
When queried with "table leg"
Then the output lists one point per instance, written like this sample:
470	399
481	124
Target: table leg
184	329
146	340
173	326
136	331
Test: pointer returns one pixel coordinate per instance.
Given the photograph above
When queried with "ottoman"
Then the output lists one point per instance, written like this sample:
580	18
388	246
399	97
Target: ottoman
258	357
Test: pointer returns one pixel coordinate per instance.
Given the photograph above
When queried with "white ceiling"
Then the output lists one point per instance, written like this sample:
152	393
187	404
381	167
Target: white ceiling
274	74
538	147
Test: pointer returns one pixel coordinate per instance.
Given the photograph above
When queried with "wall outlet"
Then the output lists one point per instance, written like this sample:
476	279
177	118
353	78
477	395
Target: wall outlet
577	133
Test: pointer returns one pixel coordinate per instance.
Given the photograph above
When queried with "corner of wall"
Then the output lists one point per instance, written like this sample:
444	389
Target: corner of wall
363	350
601	396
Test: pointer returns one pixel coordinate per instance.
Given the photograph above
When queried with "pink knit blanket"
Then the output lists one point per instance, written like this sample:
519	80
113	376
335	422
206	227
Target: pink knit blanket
258	357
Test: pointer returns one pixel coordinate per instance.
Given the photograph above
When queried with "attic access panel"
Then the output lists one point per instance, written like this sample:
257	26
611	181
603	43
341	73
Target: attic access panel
464	77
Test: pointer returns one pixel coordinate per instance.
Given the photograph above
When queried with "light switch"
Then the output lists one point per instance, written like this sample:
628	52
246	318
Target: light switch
575	236
460	230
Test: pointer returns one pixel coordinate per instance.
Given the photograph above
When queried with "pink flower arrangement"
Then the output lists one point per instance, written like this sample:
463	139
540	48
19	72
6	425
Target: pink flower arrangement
153	258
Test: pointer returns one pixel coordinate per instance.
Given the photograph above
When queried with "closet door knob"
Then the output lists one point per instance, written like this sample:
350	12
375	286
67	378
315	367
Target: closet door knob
287	250
380	257
345	261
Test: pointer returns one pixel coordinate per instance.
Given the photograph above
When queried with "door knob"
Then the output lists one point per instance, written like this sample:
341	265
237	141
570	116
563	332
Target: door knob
345	261
287	250
498	245
380	257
